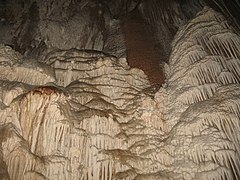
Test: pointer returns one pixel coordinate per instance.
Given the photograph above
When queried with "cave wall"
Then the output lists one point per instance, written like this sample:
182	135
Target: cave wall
72	107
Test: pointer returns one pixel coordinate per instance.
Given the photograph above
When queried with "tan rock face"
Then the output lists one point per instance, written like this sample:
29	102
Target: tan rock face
84	125
84	115
14	68
201	111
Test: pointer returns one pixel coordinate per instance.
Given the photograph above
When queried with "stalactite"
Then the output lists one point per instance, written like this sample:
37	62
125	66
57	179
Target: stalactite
78	118
206	130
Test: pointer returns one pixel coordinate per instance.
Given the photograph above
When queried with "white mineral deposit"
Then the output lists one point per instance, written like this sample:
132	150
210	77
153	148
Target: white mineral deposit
78	111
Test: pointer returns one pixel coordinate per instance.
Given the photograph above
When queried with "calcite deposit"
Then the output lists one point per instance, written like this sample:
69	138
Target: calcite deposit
72	128
77	113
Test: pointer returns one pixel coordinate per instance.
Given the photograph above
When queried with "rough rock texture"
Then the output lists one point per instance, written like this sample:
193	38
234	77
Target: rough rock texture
39	26
14	68
83	31
120	8
203	99
73	128
163	19
82	114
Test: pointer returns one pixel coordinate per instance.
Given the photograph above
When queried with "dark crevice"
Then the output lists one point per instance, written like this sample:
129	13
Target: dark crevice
142	52
24	41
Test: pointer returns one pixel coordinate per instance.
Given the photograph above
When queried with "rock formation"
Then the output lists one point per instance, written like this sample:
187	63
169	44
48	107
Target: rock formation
71	110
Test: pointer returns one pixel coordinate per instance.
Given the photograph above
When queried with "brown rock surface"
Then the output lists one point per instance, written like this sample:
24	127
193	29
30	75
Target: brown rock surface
142	52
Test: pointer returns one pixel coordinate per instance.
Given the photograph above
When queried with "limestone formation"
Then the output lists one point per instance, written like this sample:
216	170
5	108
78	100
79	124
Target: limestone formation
83	114
71	129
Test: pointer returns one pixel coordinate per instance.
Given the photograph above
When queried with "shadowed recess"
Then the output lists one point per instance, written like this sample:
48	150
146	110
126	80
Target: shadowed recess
142	52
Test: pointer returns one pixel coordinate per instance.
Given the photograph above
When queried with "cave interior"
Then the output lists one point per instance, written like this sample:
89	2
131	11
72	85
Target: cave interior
120	89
